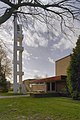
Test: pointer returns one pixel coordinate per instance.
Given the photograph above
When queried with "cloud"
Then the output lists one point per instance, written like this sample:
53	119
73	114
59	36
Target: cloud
51	60
62	43
26	55
34	40
6	36
30	73
35	57
29	39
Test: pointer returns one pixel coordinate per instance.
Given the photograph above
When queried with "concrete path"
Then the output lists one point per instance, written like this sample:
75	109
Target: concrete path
14	96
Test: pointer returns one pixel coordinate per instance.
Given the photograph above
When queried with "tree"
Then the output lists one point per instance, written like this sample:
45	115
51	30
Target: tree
5	69
73	78
46	11
5	63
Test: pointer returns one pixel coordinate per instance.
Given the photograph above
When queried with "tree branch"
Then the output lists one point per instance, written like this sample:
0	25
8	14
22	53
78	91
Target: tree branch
65	6
6	15
8	3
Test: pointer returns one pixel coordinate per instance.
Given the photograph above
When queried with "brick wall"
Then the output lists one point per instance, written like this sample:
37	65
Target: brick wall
60	86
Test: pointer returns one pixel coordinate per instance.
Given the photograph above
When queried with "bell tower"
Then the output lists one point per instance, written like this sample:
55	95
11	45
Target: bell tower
17	58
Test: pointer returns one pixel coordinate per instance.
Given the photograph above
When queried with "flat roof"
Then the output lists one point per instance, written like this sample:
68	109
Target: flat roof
50	79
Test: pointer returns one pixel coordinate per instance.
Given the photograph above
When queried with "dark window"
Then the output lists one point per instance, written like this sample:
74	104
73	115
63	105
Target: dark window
53	86
48	86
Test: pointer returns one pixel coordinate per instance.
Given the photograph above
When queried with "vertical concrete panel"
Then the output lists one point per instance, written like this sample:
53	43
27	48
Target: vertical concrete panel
62	65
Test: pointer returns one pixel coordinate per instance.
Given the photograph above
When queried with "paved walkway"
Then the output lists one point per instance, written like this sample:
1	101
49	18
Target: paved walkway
1	97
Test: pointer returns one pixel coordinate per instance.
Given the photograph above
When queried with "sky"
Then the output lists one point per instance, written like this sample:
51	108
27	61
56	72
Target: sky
40	50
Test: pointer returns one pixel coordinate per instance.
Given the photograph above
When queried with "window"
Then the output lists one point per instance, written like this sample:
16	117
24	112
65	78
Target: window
53	86
48	86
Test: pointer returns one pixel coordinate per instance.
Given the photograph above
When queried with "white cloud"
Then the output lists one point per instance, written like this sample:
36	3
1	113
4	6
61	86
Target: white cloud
62	43
43	43
26	55
6	36
29	73
51	60
35	71
29	39
34	40
35	57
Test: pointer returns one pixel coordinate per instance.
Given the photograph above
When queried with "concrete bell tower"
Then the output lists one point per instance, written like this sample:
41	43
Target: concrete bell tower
17	58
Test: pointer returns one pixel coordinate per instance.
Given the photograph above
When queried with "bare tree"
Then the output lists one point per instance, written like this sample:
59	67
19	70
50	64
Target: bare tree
45	11
5	63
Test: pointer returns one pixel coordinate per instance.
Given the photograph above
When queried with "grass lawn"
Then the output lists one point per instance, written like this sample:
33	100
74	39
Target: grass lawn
6	94
10	93
39	109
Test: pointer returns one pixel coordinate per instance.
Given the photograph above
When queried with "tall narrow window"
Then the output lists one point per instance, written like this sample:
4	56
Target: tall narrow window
48	86
53	86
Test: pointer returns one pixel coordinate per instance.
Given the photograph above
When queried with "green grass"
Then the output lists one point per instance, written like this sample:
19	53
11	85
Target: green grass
10	93
39	109
6	93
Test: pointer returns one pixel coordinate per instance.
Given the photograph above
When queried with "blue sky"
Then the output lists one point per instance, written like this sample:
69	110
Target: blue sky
40	50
